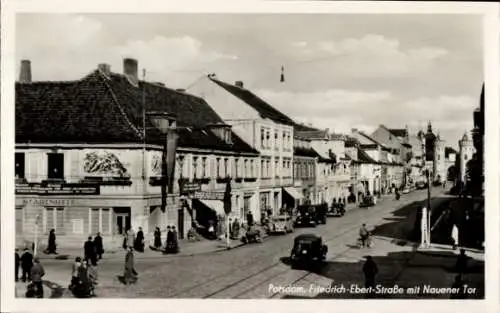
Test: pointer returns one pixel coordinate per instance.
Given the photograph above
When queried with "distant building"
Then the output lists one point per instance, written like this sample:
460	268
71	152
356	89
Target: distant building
467	150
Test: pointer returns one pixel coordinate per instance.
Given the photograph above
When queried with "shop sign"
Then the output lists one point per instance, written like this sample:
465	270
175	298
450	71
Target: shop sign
188	188
205	195
57	189
49	202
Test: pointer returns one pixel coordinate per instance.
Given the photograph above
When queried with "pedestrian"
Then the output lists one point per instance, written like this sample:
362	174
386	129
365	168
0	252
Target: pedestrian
249	219
124	244
370	270
18	262
363	235
169	240
130	237
454	236
51	246
89	251
92	277
37	272
461	264
458	288
99	247
75	273
236	229
139	241
175	243
211	230
157	241
129	275
83	289
26	264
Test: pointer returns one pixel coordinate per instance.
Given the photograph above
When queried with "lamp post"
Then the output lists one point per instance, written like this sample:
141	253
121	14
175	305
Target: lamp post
166	124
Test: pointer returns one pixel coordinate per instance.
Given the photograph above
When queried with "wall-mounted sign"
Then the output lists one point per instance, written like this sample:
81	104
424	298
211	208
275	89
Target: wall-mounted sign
204	195
187	188
57	189
49	202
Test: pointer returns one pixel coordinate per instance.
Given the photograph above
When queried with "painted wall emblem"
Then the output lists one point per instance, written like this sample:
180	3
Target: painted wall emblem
104	163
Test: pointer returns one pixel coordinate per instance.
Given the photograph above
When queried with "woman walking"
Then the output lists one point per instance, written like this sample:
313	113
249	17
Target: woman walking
129	275
157	241
51	245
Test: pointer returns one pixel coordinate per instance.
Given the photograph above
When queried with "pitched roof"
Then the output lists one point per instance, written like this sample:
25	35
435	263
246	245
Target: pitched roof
318	134
363	157
373	140
108	109
398	132
264	109
306	152
351	142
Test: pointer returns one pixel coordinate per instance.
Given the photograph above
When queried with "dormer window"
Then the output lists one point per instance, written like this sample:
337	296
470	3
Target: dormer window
223	131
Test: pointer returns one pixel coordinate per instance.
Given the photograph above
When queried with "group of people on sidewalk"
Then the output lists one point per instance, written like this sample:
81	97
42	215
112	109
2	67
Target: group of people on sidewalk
33	272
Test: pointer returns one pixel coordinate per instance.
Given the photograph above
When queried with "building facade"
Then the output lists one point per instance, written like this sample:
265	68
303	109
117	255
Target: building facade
89	159
272	138
305	170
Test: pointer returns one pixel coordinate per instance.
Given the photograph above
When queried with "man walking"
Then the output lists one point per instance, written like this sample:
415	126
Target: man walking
370	270
363	234
26	264
89	251
99	247
37	272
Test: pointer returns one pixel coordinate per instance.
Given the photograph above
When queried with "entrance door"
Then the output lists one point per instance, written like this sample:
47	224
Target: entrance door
180	223
121	220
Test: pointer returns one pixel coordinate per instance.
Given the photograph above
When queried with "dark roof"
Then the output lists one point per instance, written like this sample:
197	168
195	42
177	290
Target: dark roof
307	152
318	134
363	157
351	142
264	109
398	132
108	109
371	138
305	128
448	151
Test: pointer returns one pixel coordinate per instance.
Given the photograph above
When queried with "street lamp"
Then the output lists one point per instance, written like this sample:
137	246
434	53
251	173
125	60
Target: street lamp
166	124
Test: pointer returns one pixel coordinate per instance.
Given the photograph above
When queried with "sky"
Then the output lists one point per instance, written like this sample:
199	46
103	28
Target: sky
342	71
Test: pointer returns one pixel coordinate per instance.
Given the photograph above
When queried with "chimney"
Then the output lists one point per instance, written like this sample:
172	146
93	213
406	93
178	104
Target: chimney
238	83
25	73
130	69
105	69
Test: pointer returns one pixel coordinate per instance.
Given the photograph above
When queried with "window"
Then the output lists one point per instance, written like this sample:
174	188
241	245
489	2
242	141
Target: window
195	167
276	168
19	170
268	139
181	165
252	173
100	220
276	141
268	168
284	140
56	166
54	219
226	167
219	168
262	168
245	168
204	167
262	138
236	164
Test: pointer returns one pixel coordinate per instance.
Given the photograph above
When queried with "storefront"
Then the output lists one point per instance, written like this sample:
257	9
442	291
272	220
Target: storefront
292	197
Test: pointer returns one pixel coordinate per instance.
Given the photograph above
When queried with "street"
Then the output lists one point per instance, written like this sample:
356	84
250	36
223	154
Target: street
260	270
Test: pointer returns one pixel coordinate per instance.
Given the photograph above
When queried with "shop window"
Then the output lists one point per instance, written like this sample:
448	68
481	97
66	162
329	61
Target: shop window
100	221
20	165
54	219
55	166
19	220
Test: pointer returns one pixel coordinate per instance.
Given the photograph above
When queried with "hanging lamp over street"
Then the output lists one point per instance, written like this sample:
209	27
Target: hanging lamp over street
282	79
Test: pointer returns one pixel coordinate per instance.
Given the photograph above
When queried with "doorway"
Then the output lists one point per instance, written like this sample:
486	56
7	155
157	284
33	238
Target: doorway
122	220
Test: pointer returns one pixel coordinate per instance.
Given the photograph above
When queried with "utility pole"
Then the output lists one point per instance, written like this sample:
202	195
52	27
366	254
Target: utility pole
429	209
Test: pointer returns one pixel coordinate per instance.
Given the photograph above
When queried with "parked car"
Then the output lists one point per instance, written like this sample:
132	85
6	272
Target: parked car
281	224
306	216
367	201
336	210
421	185
308	249
320	213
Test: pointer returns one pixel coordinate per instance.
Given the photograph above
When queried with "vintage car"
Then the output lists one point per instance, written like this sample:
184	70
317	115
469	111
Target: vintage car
306	216
336	210
308	249
320	211
421	185
281	224
367	201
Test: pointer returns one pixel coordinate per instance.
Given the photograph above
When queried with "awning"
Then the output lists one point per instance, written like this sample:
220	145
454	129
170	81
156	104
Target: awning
294	192
216	205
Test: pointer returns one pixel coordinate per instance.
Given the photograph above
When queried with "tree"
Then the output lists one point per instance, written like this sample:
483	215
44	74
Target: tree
474	176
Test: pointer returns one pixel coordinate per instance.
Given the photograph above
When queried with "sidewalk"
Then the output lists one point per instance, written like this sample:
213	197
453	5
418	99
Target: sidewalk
187	248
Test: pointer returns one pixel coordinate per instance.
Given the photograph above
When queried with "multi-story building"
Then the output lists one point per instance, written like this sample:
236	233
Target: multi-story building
334	177
261	126
89	157
399	142
305	163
